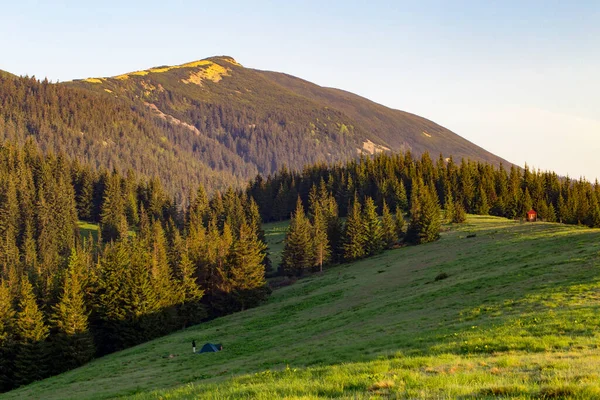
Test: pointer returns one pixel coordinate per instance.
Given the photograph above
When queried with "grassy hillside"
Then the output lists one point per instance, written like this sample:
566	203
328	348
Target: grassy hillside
516	316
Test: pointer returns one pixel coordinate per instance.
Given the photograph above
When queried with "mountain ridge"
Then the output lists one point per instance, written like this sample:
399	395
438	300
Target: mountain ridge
213	121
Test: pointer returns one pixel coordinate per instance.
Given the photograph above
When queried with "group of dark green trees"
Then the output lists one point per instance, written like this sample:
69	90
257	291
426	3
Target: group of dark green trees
321	237
153	266
156	265
414	185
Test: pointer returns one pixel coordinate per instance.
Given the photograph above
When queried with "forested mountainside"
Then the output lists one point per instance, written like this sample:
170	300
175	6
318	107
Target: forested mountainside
212	122
242	121
109	132
154	267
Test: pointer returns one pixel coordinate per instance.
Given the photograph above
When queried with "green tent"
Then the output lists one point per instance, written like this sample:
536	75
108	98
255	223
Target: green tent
211	348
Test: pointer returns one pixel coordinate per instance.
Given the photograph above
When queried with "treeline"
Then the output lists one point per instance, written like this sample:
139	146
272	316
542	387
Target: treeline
153	267
472	187
322	237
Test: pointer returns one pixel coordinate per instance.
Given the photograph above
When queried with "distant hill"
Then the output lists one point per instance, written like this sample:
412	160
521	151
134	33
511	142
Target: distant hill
213	121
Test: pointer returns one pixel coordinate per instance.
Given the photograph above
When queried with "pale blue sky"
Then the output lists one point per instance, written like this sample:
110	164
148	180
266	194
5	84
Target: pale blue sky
519	78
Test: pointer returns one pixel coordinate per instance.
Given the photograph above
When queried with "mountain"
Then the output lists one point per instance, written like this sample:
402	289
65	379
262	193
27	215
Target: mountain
213	121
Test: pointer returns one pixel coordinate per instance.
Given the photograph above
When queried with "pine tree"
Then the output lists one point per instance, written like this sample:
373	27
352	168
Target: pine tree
399	222
388	227
7	338
297	252
245	268
460	216
115	306
425	217
73	345
162	281
400	195
354	233
482	207
85	196
372	228
31	333
190	310
143	300
321	249
450	208
112	217
551	213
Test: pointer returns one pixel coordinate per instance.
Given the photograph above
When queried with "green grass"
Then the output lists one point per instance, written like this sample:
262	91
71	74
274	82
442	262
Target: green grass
87	229
274	235
517	317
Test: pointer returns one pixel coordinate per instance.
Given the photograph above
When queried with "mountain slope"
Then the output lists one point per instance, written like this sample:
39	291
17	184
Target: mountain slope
299	122
517	316
399	130
211	121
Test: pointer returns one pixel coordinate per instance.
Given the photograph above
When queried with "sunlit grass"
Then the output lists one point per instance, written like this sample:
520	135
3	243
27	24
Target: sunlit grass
517	317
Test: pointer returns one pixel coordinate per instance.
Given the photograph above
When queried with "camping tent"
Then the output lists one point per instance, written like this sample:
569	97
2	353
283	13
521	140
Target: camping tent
210	348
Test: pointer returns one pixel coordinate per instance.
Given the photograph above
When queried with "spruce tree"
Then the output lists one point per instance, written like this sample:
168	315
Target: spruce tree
321	249
31	333
551	213
143	300
112	216
450	208
223	247
162	281
245	268
115	308
354	233
7	338
482	206
399	222
372	227
388	227
190	310
425	217
85	195
73	344
460	216
297	253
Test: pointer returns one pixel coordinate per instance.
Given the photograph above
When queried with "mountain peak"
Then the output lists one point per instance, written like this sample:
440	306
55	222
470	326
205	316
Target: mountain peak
211	68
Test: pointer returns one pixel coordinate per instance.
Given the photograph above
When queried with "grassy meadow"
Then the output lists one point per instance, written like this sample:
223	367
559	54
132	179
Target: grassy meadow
516	317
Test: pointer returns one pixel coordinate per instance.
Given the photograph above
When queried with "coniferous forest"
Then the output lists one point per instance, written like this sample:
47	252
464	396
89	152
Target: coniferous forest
155	266
152	267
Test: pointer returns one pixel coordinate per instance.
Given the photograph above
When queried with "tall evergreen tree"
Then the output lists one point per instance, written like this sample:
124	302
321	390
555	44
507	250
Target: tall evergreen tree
372	227
450	210
7	338
245	268
482	206
388	227
321	249
31	332
297	252
354	233
460	216
162	281
399	222
191	311
73	345
425	217
113	218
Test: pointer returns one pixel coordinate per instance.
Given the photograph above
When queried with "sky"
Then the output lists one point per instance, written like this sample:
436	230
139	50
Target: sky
519	78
